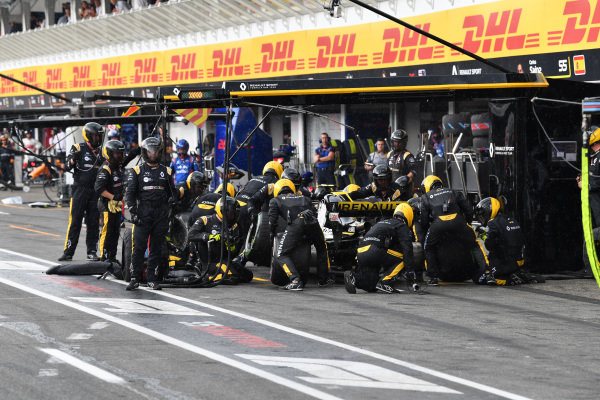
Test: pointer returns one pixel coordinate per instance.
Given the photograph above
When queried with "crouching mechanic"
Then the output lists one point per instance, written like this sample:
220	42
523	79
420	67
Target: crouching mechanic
446	212
208	232
382	186
189	191
505	243
302	227
149	190
388	247
109	186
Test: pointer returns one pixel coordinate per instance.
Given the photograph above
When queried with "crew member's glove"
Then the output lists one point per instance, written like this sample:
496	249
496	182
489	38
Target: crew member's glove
135	219
230	246
118	196
482	232
114	206
216	237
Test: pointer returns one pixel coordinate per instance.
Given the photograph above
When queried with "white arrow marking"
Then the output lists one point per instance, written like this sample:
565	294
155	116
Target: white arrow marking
349	373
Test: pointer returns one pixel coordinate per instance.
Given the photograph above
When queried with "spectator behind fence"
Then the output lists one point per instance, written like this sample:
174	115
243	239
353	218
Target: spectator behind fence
119	6
139	4
66	17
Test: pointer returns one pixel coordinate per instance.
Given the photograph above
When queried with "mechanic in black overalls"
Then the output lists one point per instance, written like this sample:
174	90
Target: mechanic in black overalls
86	160
505	242
109	187
302	227
6	159
208	233
400	161
594	178
190	191
150	189
388	247
445	212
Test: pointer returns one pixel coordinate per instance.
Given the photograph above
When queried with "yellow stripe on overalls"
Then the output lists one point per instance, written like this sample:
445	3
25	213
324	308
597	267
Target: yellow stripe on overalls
363	249
70	220
103	233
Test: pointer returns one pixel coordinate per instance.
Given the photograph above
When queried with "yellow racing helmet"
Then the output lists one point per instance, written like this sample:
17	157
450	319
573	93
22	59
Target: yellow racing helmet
230	209
487	209
431	182
273	167
595	136
405	211
353	187
230	189
281	184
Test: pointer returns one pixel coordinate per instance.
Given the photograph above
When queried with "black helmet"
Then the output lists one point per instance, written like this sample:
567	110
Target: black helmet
196	181
399	139
320	192
230	209
151	149
293	175
415	203
486	210
113	152
404	183
382	176
93	133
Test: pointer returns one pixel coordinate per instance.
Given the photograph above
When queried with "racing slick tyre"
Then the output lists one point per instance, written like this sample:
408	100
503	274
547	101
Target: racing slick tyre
126	249
259	241
301	257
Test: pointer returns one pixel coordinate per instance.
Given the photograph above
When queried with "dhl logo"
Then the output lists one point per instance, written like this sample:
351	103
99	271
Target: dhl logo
111	75
54	79
382	206
227	63
277	58
496	32
145	71
406	45
7	86
183	67
82	76
578	27
29	77
337	52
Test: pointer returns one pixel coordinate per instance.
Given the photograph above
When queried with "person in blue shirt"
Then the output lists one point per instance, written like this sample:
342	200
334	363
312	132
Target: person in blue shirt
325	161
184	164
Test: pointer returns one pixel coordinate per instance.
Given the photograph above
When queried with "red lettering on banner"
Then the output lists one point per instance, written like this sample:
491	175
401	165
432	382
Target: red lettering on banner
111	75
496	32
183	68
82	77
8	86
337	52
145	71
277	57
406	45
31	78
221	144
54	79
226	62
579	24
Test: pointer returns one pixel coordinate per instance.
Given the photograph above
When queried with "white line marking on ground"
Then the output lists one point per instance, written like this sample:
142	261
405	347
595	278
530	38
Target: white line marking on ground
99	325
48	372
80	336
179	343
22	265
30	257
85	367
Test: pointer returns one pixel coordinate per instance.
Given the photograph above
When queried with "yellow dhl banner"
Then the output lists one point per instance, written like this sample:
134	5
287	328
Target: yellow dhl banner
498	29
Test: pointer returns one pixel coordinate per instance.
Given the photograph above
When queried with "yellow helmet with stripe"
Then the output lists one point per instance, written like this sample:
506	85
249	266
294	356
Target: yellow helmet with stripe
353	187
274	167
283	183
405	211
431	182
595	136
487	209
230	189
230	209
